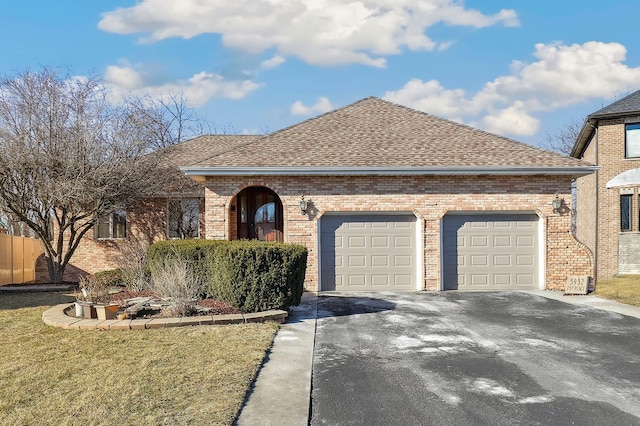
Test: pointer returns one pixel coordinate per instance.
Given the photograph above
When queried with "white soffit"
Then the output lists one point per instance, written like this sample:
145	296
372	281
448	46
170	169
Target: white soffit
630	177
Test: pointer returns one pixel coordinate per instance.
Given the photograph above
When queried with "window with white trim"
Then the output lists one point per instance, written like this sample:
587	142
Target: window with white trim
632	140
183	218
112	226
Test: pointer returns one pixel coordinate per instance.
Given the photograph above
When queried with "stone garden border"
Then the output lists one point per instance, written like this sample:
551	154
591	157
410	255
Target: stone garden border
58	316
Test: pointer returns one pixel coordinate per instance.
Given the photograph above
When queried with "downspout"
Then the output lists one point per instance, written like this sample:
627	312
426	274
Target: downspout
595	254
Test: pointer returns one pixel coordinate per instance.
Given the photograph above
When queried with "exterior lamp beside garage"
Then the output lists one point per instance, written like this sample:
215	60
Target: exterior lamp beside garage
303	205
556	204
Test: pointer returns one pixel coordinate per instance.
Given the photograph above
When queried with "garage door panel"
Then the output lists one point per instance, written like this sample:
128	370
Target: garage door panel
378	260
502	260
404	281
380	280
502	241
525	260
479	241
525	240
380	242
502	279
357	241
480	260
490	252
524	279
356	261
365	252
356	280
479	279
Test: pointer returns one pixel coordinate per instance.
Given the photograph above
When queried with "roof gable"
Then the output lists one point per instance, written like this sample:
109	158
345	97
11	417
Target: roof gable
173	182
376	133
629	105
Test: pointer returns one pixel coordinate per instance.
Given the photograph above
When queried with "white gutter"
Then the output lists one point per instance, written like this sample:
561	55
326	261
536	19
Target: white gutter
386	171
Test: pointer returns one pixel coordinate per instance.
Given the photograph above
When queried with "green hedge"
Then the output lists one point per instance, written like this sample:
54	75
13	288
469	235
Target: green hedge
251	275
113	277
196	252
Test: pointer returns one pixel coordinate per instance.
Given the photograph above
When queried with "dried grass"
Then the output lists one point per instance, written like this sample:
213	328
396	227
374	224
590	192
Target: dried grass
623	289
190	375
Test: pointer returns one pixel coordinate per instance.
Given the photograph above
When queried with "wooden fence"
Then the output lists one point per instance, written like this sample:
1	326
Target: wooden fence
18	257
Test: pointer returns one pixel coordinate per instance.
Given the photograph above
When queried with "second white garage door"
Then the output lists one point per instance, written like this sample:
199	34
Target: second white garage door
491	252
368	252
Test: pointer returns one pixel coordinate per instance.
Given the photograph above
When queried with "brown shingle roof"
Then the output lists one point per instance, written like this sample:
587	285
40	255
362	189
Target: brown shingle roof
174	182
377	133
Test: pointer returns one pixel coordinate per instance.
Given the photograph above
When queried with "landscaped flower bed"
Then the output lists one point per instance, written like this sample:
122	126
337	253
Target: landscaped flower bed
148	304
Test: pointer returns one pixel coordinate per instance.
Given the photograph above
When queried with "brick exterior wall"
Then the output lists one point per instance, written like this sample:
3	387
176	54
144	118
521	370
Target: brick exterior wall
429	198
146	223
610	145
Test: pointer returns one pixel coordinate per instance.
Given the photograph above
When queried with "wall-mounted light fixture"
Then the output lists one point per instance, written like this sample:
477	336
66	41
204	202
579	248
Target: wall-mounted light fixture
303	205
556	204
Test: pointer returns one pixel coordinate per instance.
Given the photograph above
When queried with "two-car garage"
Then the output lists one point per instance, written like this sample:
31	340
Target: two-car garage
374	252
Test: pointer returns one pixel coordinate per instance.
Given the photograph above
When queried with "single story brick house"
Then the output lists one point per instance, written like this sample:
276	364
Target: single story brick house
385	198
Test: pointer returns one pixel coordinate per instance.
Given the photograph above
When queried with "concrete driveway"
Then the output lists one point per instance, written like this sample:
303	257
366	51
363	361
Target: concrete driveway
471	359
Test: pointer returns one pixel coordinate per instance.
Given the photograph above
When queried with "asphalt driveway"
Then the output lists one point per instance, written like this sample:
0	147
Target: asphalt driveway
457	358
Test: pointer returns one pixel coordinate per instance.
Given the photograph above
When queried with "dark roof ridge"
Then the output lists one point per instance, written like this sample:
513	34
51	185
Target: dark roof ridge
622	106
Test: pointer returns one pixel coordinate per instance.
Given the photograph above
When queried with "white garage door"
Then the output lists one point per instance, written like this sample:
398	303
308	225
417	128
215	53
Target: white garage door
368	252
490	252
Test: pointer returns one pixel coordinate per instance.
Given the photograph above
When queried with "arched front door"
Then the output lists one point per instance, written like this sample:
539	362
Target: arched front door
259	214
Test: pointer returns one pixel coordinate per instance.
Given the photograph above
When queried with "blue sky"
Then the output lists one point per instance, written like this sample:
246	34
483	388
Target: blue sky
518	68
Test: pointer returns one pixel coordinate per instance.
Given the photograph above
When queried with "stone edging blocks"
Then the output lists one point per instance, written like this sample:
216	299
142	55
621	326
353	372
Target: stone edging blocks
57	316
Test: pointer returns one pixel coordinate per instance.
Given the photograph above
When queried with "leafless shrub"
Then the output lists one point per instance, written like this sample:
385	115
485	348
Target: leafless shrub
133	263
94	289
176	281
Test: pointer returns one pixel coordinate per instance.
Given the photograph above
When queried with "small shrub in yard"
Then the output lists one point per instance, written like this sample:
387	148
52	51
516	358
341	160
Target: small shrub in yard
111	277
96	287
134	271
175	280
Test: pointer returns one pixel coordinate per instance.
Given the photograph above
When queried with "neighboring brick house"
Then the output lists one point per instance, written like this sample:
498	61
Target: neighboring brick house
608	219
394	199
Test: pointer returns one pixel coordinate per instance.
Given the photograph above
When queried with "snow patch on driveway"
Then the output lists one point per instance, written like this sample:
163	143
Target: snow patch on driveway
490	387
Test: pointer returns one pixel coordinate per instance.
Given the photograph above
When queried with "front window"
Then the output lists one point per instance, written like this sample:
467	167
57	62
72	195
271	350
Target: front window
112	225
632	138
625	212
183	218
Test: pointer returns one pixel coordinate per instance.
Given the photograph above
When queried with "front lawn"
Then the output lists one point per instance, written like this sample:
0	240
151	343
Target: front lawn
188	375
623	289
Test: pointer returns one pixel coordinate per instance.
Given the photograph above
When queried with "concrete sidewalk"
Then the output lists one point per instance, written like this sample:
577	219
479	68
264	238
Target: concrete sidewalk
282	391
591	301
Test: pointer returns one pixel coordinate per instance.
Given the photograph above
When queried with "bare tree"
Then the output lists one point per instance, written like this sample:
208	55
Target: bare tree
67	157
168	120
563	139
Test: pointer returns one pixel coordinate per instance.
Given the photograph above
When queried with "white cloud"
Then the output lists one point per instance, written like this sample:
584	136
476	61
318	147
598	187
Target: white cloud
198	89
320	32
513	120
562	75
323	105
274	62
124	77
